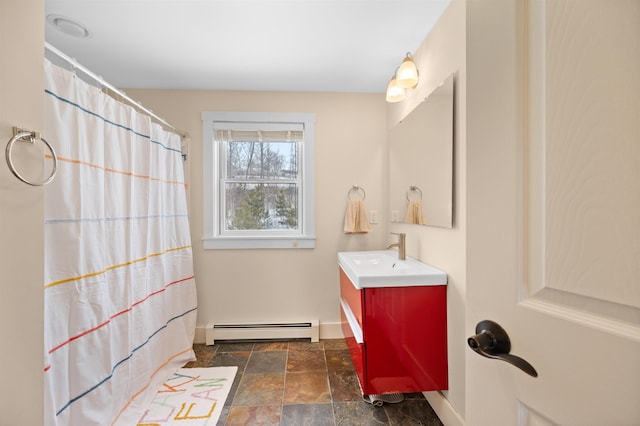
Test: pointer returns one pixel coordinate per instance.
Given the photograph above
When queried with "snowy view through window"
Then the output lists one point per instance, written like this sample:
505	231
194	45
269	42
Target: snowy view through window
261	185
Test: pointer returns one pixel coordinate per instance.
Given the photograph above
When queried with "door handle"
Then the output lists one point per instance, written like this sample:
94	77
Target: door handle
493	342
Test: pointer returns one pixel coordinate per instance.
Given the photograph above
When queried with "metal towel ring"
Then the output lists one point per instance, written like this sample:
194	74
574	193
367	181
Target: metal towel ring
26	136
355	188
414	188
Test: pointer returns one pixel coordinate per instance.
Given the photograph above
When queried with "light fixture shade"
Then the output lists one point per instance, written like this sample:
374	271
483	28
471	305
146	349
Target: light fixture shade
407	74
395	93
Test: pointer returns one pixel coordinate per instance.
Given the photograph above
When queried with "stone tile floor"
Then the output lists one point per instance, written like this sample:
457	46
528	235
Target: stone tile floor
299	383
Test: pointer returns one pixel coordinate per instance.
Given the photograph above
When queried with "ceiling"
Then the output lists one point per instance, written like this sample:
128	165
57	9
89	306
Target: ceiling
258	45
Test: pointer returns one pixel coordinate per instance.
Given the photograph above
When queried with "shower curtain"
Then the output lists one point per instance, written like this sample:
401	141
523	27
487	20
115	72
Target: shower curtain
120	300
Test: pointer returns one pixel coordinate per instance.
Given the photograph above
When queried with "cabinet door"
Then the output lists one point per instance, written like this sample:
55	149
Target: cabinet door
406	338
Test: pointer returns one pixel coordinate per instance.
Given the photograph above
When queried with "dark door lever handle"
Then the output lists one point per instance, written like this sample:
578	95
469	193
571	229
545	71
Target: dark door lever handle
492	341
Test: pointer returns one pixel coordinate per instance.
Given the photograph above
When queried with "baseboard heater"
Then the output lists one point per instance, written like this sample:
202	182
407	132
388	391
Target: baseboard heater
262	331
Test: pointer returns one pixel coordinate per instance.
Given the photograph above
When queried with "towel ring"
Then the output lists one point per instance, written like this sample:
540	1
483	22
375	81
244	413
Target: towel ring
26	136
414	188
356	188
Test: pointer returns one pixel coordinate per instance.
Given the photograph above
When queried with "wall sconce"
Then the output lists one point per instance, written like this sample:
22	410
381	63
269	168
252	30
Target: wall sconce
407	74
395	93
405	77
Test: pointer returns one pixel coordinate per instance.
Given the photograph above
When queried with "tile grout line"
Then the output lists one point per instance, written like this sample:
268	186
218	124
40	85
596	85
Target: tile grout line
284	383
326	366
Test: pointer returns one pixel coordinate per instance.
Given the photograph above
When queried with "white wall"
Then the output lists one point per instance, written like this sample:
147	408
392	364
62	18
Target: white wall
443	52
21	217
286	284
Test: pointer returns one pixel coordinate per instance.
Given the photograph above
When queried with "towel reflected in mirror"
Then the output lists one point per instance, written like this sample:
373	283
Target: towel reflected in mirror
415	213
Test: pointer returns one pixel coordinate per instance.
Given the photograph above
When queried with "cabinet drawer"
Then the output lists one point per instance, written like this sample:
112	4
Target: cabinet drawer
352	296
356	350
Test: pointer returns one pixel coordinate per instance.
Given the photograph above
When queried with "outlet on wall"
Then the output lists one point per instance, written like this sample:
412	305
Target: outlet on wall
373	216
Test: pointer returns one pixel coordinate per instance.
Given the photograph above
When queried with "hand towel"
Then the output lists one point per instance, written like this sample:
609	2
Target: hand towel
356	220
415	213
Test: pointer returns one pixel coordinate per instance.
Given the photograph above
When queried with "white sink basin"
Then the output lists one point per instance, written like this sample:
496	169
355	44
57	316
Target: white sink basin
382	268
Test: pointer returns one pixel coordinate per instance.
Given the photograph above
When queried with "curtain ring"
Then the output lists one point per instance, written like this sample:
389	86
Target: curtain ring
29	137
355	188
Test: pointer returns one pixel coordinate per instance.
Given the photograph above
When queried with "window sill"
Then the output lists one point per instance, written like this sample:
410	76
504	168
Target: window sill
239	243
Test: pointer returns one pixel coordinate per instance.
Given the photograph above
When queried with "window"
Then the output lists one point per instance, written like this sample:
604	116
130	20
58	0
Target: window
258	171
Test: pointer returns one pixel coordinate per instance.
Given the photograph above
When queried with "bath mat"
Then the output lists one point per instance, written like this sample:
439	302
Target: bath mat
192	396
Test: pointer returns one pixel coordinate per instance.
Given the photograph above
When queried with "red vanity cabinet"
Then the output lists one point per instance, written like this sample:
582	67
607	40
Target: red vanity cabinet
397	336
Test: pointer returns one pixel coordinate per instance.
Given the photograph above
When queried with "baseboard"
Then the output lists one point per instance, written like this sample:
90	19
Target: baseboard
331	330
328	330
445	412
200	337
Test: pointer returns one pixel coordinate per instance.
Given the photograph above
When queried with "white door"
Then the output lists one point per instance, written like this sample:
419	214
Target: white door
553	209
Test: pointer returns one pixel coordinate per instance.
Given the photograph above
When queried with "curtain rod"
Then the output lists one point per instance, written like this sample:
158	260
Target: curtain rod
112	88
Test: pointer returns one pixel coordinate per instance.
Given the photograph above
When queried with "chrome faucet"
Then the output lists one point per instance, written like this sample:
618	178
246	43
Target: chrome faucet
401	244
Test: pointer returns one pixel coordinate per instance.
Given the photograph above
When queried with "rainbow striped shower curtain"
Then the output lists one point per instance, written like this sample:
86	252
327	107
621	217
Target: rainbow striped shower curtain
120	299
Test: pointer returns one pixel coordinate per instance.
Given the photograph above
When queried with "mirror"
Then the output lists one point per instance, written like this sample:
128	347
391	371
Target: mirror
421	162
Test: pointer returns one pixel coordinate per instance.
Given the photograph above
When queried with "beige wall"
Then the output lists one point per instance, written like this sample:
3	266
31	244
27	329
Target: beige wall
286	284
21	217
442	53
233	285
351	148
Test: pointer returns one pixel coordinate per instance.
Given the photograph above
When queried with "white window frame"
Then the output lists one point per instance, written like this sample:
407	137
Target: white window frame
304	237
